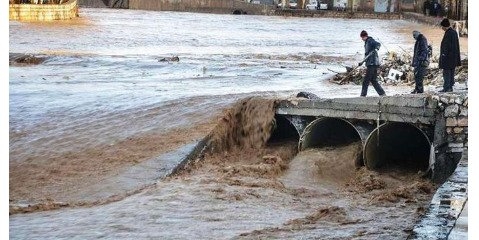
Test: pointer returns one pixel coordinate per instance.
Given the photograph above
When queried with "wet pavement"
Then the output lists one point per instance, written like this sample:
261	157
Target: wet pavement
447	207
459	231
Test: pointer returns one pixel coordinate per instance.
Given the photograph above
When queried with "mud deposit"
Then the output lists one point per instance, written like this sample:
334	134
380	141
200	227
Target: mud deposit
249	188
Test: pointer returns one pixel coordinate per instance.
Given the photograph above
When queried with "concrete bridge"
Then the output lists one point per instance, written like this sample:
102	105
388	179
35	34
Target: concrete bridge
416	132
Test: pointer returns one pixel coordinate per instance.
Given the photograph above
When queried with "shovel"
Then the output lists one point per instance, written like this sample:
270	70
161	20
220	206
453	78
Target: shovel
351	69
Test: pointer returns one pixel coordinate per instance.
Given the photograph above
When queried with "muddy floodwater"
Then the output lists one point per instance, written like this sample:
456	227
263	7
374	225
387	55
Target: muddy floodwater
111	95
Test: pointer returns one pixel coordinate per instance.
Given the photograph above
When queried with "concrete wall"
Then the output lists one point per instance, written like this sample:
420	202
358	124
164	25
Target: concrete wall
93	3
338	14
104	3
182	5
43	12
210	6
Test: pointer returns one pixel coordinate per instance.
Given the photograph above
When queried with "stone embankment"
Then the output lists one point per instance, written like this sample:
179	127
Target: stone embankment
455	109
44	12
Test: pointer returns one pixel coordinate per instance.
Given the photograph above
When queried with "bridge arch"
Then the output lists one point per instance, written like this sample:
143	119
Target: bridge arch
397	145
239	12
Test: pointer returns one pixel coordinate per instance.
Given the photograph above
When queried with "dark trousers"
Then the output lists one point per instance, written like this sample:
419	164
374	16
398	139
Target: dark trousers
419	73
448	75
371	76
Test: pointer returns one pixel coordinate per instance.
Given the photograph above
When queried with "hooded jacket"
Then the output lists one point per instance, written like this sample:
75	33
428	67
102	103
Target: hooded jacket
420	51
371	45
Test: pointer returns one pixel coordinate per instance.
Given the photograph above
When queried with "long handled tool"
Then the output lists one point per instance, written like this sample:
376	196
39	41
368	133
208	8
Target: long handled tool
354	68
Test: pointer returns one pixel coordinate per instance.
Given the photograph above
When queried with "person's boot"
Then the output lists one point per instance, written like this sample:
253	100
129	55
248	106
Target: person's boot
414	91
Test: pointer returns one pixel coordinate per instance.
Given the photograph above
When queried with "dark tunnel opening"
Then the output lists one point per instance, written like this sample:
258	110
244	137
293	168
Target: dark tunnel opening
283	131
329	132
397	146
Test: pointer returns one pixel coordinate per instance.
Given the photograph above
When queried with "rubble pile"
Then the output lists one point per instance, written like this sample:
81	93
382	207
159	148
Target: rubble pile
396	69
20	59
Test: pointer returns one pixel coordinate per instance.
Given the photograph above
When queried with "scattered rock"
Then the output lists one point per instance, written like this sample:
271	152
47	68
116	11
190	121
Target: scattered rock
169	59
25	59
307	95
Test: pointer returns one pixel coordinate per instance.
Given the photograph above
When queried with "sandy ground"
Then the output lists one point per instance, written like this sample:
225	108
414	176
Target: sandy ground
434	37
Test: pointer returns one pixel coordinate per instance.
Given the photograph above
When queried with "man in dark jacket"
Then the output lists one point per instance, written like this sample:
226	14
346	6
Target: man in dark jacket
450	55
420	60
372	63
435	8
426	7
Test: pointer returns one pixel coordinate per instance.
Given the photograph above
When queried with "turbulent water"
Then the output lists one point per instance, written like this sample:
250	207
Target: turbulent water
104	100
107	62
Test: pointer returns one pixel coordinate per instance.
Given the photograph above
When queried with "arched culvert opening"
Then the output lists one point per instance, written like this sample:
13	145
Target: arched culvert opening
398	145
238	12
328	132
283	130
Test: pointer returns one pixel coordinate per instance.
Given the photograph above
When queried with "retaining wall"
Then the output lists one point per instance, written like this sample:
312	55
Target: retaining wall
93	3
209	6
336	14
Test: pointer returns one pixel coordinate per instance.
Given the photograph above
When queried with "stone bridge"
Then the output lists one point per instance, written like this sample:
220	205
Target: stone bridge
414	132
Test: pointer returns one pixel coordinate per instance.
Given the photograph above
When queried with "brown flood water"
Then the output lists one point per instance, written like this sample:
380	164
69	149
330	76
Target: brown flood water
258	190
247	188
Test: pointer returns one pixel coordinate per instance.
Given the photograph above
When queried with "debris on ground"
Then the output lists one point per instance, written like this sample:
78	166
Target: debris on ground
169	59
20	59
396	69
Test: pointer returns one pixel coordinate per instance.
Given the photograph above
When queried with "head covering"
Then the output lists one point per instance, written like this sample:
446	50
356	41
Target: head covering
415	34
363	33
445	23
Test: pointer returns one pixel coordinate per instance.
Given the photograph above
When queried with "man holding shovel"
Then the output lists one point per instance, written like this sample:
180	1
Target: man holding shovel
372	63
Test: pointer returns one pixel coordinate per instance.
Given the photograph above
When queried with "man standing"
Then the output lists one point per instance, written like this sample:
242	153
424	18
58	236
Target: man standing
426	7
450	56
372	63
420	60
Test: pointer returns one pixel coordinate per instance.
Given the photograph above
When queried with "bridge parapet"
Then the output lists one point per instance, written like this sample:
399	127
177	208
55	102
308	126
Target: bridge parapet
420	109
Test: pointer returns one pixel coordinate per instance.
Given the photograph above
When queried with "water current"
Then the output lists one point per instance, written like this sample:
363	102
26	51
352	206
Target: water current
104	100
